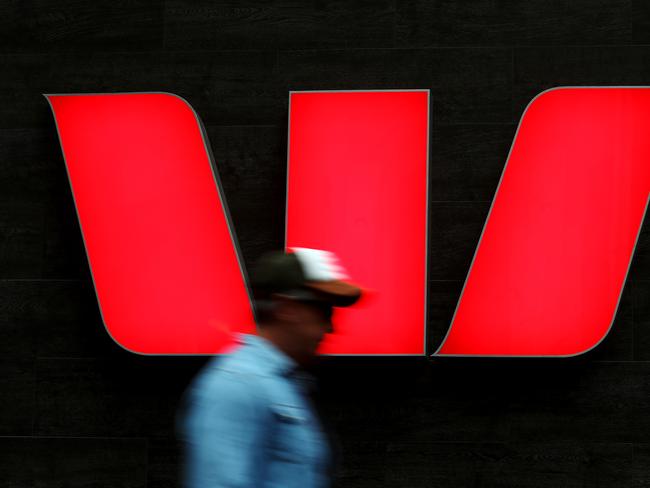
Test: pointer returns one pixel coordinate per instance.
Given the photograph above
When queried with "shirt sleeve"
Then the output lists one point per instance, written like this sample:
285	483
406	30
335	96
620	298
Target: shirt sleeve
226	428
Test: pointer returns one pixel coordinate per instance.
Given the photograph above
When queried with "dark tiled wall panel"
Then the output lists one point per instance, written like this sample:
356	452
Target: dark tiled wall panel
77	410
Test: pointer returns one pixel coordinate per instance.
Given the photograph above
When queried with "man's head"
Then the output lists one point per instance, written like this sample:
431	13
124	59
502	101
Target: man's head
295	295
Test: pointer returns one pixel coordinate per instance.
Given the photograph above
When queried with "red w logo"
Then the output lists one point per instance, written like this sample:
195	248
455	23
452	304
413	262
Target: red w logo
545	280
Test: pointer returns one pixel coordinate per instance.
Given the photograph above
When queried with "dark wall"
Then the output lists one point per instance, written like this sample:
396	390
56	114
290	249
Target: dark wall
77	410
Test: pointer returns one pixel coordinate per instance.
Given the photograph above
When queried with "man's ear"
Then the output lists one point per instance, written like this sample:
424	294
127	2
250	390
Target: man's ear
285	309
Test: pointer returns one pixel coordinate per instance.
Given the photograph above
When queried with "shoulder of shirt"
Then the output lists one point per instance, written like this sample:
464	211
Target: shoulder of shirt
250	365
255	356
228	380
241	365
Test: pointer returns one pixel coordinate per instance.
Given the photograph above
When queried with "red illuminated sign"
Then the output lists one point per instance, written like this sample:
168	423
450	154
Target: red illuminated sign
553	257
357	185
545	280
161	251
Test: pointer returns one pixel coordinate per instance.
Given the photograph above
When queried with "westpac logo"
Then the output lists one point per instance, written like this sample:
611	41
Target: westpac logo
545	280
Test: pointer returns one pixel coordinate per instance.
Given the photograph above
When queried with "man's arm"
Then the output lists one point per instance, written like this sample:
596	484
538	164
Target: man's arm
226	429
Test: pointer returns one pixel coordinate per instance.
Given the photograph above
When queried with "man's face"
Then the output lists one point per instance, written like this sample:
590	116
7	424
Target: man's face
309	322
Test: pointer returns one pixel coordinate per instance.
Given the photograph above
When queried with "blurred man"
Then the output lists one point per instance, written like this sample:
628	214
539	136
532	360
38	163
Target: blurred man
249	420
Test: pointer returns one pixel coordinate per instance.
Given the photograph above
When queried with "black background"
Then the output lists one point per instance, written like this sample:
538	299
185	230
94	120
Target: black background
77	410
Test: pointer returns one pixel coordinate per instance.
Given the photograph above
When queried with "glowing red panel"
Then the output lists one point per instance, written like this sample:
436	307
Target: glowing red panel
550	267
160	247
357	186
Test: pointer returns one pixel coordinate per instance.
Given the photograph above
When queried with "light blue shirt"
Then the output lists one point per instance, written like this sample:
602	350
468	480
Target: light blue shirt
249	423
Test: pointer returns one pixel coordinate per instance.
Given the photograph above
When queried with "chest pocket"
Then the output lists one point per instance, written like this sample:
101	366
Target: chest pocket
291	434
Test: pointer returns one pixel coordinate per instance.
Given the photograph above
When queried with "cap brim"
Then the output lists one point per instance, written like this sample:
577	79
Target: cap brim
340	293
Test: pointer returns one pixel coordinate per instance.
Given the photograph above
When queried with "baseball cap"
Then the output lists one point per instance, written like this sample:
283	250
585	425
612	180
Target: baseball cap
304	274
